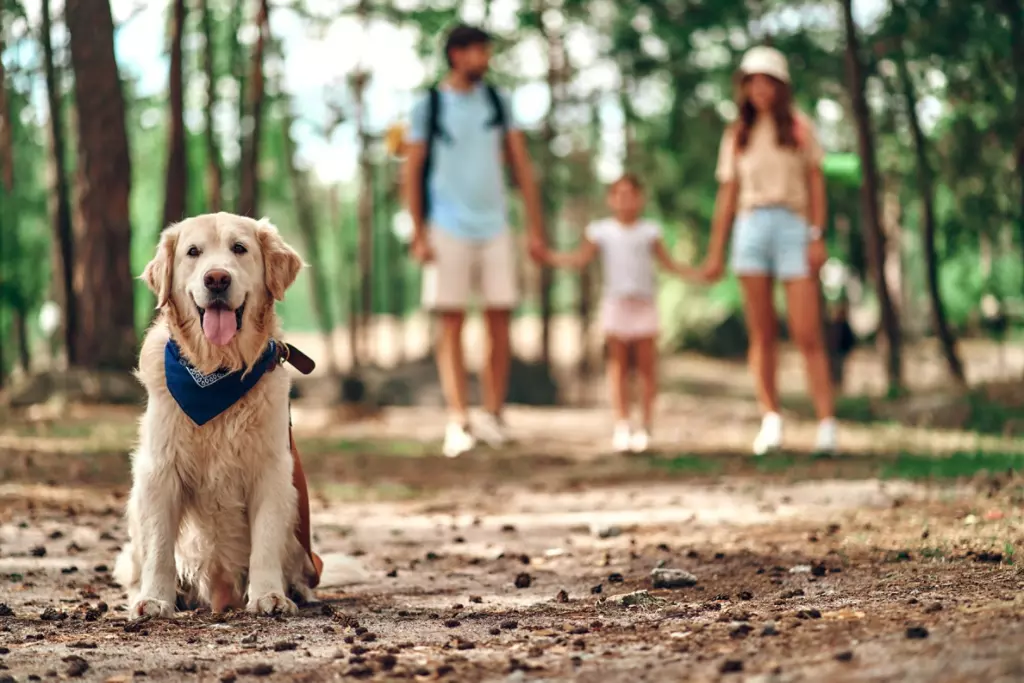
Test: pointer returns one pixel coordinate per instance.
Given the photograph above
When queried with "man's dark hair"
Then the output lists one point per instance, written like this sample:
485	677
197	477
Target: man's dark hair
462	36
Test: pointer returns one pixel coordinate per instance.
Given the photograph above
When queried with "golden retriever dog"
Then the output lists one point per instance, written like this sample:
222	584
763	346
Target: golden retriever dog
213	510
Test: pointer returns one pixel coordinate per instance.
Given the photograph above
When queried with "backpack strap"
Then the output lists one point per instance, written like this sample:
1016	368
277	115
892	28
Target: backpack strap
433	130
499	118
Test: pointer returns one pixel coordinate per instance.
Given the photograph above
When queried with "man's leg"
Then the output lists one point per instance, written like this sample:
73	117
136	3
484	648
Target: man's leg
446	288
499	285
494	377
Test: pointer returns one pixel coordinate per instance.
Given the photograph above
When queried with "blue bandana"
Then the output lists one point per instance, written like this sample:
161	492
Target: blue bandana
204	397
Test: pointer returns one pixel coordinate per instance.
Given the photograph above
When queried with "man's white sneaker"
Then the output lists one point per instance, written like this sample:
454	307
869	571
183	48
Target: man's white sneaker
457	440
770	437
825	443
640	441
621	439
491	430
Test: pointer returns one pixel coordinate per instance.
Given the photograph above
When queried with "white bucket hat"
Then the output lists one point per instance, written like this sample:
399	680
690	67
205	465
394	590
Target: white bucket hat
767	61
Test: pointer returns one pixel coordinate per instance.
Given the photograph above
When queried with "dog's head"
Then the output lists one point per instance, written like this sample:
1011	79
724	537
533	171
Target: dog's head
216	277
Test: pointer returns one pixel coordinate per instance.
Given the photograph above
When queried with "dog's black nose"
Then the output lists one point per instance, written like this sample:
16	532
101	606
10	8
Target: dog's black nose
217	281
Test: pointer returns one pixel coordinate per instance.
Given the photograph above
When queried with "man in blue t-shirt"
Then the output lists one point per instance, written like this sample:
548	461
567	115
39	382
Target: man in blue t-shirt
462	135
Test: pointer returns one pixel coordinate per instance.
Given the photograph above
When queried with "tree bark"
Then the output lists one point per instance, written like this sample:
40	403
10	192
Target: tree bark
926	188
249	183
874	241
1014	11
19	321
102	269
63	239
176	183
307	223
214	173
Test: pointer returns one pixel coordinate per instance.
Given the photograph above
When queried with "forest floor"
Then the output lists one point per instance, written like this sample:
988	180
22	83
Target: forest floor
893	561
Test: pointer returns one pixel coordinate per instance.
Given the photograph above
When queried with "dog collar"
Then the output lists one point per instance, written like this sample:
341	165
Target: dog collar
204	397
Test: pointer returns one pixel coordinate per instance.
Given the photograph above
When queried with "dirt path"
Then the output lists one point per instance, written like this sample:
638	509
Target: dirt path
825	579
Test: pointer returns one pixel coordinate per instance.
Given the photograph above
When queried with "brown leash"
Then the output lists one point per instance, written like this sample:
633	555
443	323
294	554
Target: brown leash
289	354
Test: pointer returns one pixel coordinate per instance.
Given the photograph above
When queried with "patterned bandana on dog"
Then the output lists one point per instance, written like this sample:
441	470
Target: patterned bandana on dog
204	397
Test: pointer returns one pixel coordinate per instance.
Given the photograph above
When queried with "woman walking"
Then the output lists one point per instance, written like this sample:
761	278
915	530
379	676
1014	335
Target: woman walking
771	185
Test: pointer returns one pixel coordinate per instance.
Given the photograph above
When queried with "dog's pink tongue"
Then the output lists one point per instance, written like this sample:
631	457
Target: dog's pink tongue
219	325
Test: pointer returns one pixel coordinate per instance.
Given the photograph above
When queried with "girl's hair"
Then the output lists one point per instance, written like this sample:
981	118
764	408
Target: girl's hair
630	179
782	112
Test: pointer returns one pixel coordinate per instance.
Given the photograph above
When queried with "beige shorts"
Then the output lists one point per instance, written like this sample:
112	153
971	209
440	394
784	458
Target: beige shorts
466	271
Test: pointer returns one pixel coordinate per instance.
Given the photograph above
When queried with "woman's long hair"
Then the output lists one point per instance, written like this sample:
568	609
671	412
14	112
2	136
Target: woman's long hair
782	112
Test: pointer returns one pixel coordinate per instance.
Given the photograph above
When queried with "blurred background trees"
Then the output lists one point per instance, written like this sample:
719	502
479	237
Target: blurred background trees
280	109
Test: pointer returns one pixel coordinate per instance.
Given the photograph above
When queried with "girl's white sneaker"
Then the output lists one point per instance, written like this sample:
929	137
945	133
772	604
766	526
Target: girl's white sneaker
825	442
640	441
621	438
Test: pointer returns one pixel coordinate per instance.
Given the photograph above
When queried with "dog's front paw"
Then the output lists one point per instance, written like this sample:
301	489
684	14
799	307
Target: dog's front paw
272	604
150	608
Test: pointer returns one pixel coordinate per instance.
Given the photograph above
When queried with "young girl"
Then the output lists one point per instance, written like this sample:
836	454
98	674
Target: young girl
630	246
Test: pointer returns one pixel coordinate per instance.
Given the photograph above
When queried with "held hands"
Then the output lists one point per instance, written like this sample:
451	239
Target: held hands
712	269
420	248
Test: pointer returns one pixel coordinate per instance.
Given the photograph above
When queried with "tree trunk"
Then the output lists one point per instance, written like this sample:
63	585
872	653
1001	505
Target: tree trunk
6	127
874	241
360	80
63	240
1014	11
307	225
102	273
176	183
926	188
249	182
214	174
236	66
556	61
19	322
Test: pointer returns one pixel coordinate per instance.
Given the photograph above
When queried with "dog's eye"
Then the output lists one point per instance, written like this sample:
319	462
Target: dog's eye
193	251
239	248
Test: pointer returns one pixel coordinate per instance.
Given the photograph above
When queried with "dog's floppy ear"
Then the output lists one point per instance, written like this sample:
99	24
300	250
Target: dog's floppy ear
159	273
281	263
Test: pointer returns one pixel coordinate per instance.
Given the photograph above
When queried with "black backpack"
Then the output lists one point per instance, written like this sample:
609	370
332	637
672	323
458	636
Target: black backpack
499	119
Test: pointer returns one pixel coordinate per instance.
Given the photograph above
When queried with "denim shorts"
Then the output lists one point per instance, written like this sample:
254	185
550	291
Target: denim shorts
773	241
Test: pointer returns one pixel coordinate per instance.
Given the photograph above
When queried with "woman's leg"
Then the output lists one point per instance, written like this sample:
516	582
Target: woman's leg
804	305
763	331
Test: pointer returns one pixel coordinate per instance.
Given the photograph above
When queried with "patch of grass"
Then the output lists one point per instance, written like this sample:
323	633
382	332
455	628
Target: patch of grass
406	448
686	463
923	466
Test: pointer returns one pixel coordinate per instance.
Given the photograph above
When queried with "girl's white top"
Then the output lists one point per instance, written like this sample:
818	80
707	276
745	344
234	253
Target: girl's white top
627	257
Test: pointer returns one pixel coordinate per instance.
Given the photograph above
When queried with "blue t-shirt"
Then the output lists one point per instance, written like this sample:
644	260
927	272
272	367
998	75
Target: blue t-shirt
467	180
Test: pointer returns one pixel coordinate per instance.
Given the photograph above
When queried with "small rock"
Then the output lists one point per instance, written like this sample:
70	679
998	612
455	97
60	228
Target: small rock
993	558
393	573
228	677
615	578
933	608
819	570
844	656
596	590
453	623
608	531
51	614
285	646
638	598
494	631
562	596
38	551
523	580
740	631
476	599
77	666
672	578
800	569
917	632
769	630
509	625
5	611
746	595
731	666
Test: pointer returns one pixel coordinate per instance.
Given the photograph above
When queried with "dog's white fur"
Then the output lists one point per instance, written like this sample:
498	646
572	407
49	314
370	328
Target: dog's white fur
213	509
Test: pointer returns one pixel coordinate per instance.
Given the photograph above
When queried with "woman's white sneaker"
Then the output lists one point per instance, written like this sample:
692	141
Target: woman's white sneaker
770	437
491	430
457	440
826	441
621	438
